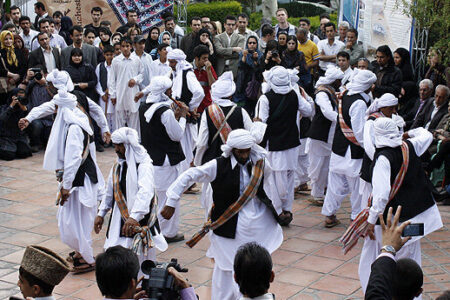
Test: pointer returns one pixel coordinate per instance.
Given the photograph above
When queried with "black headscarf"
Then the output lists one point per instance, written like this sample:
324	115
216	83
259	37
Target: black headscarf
76	52
282	48
149	43
405	64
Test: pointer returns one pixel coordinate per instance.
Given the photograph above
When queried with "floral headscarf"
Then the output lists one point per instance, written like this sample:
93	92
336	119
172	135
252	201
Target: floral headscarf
10	54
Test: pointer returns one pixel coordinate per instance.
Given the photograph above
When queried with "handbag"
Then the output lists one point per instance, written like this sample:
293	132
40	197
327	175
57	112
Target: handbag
252	89
5	86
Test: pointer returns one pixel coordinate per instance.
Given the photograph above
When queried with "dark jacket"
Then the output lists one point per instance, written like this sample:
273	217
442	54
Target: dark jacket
37	59
381	278
389	80
84	73
424	116
186	43
20	69
409	103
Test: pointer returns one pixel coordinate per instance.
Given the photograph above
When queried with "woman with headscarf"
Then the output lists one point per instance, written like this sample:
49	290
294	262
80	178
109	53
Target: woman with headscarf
203	37
13	141
282	42
13	65
436	70
292	58
402	61
166	38
133	32
82	74
19	44
248	72
115	38
152	40
389	77
408	102
104	38
66	24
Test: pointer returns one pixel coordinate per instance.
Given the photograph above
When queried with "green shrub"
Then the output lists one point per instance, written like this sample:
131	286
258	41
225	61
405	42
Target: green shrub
217	11
255	21
303	9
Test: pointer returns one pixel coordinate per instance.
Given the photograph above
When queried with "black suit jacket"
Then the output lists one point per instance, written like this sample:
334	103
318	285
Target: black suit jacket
425	116
37	60
381	278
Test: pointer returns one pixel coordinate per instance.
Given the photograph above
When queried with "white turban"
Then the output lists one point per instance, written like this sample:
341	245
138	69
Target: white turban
331	75
293	75
278	79
158	86
387	133
130	139
243	139
224	87
60	80
384	101
181	66
361	82
176	54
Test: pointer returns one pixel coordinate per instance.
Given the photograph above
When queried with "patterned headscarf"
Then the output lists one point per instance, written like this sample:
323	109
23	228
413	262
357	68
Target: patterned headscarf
10	54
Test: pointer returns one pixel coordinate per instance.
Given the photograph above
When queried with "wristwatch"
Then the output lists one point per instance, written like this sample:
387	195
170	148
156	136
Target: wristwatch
389	248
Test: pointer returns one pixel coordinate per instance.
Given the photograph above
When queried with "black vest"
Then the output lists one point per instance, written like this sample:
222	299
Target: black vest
320	127
226	191
414	194
186	94
155	139
340	142
103	76
305	125
366	163
282	131
235	121
86	168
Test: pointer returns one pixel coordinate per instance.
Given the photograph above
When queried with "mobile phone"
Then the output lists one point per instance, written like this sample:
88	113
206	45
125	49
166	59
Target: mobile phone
413	230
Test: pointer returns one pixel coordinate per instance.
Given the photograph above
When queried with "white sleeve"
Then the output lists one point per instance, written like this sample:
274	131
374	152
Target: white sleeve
205	173
146	192
202	140
97	113
357	114
263	108
175	129
140	76
41	111
369	146
421	139
108	198
98	86
326	108
381	183
112	79
303	106
248	123
196	89
72	155
146	90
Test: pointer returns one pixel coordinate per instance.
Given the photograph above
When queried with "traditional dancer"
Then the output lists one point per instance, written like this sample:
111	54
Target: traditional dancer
321	133
347	148
242	211
130	195
162	131
280	108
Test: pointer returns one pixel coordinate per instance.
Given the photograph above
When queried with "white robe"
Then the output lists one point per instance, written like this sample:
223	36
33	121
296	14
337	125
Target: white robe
110	111
255	223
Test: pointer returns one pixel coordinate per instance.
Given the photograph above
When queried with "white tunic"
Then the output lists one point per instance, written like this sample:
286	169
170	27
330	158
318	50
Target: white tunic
255	222
122	71
146	60
100	92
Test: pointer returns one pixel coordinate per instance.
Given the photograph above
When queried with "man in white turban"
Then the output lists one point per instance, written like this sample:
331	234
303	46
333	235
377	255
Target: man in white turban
188	90
321	132
162	129
280	108
70	153
347	149
409	190
60	80
239	181
385	106
130	195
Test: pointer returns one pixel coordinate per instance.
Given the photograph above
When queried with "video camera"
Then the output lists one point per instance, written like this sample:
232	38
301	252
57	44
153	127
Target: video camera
37	73
160	285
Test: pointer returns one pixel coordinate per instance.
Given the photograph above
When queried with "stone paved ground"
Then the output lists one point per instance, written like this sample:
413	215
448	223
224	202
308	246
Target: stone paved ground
309	264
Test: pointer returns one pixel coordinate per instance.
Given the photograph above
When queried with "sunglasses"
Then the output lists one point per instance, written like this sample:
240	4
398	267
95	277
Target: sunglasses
251	43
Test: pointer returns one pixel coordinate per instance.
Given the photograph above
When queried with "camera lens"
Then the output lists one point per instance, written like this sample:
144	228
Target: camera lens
38	76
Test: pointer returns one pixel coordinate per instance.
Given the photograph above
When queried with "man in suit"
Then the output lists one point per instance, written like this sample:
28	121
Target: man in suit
433	111
89	52
390	279
228	45
45	57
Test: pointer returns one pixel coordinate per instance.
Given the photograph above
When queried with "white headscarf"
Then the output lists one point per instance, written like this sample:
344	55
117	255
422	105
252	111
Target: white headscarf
134	152
243	139
384	101
60	80
361	82
278	79
67	114
331	75
158	86
182	65
387	133
223	88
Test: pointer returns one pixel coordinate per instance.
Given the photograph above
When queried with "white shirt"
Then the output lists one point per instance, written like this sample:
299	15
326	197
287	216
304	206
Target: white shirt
122	71
193	86
315	39
248	33
50	62
146	60
56	41
348	76
28	38
328	49
433	113
157	68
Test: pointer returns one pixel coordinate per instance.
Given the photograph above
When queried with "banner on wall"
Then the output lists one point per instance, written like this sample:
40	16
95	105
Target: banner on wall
149	11
379	22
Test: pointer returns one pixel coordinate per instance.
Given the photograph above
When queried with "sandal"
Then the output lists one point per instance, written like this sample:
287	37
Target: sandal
70	258
331	221
316	201
285	218
81	266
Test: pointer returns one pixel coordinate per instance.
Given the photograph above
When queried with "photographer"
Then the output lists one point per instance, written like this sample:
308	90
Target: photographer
116	273
271	57
13	142
38	92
